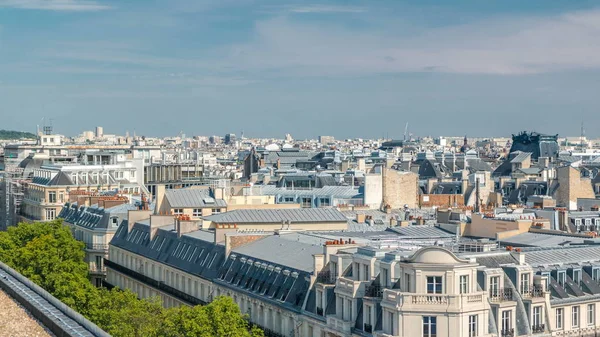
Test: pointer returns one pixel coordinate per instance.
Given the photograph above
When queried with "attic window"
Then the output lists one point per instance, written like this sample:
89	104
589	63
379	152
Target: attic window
114	221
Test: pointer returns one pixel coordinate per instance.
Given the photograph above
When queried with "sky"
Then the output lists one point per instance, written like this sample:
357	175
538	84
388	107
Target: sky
347	68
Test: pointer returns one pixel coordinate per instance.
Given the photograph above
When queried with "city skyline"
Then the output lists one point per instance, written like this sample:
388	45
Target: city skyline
344	69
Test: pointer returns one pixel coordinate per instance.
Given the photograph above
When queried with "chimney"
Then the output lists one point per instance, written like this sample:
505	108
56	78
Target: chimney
158	221
360	217
318	263
160	195
184	225
222	229
135	216
430	184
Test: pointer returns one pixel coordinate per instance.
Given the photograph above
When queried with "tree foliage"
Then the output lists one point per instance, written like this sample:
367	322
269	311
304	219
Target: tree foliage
8	134
47	254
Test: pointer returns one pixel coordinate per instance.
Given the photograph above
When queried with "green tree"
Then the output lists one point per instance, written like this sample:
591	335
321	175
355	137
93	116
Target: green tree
47	254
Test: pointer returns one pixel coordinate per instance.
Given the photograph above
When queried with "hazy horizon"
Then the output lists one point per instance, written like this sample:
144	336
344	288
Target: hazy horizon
342	68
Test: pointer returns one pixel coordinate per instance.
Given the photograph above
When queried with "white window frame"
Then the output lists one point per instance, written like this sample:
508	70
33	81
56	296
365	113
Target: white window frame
591	314
525	281
197	212
473	326
431	323
464	284
560	316
575	319
506	320
435	281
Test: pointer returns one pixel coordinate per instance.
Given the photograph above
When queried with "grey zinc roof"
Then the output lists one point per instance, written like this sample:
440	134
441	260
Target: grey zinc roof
192	198
335	191
541	240
281	251
521	156
562	255
294	215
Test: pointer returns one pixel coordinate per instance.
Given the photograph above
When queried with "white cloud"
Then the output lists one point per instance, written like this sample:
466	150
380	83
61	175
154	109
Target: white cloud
520	45
56	5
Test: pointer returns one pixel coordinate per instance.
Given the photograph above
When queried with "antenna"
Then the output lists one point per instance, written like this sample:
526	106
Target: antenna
405	131
581	140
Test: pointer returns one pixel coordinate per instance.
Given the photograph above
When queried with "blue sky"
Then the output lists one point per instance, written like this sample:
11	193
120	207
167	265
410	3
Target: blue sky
342	68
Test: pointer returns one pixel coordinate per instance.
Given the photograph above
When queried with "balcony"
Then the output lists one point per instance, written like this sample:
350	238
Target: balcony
97	271
533	292
541	328
326	277
96	246
374	290
501	295
339	324
507	333
413	301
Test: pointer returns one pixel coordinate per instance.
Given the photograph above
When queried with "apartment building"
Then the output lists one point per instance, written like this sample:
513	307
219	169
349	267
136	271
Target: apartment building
311	284
51	184
95	225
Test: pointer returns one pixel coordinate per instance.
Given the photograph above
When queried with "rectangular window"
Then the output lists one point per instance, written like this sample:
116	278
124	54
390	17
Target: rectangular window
577	276
524	283
464	284
537	317
177	211
216	210
495	286
197	212
591	314
288	199
575	317
407	285
391	323
52	197
434	284
562	277
306	202
429	326
596	274
472	325
324	202
559	318
506	322
50	214
384	277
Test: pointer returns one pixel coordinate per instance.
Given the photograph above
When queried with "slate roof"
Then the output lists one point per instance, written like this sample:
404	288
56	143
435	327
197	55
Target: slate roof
280	250
294	215
192	198
188	253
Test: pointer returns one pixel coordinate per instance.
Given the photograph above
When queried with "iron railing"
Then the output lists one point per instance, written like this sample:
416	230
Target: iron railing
374	290
508	333
326	277
501	294
538	328
533	291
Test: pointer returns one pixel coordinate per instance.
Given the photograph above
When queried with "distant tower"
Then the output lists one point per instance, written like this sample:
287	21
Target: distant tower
465	146
582	139
99	132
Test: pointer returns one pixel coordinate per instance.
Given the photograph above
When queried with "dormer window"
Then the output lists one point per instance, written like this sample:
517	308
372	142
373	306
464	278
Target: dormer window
596	274
115	221
562	278
577	276
494	286
525	283
547	275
